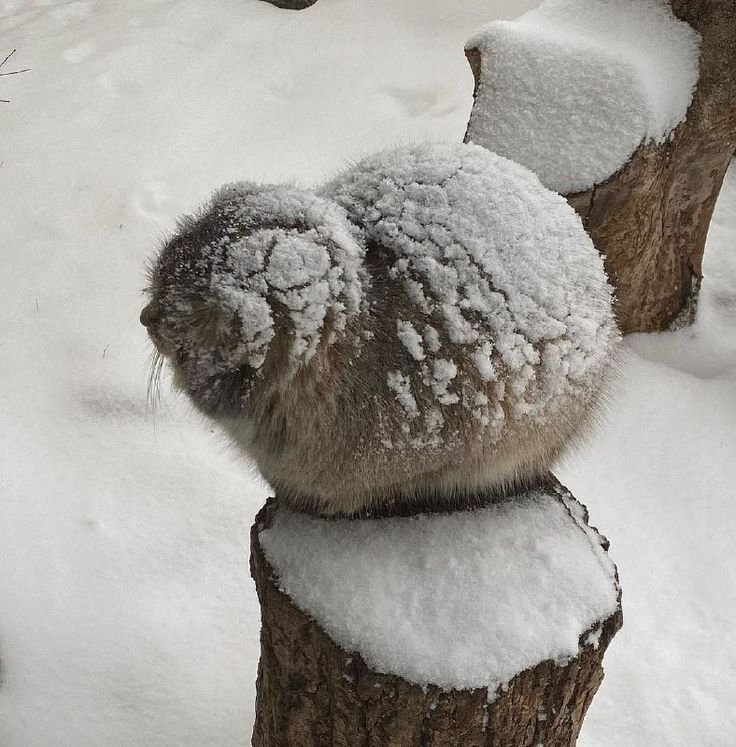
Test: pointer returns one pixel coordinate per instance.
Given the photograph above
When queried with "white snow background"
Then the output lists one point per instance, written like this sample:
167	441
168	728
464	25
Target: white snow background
127	614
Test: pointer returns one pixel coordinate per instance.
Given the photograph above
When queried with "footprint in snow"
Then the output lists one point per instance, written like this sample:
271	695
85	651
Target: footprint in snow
72	11
109	404
150	201
79	53
106	81
421	102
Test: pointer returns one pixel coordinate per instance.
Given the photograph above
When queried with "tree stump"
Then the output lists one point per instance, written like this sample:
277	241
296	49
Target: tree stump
292	4
311	692
650	219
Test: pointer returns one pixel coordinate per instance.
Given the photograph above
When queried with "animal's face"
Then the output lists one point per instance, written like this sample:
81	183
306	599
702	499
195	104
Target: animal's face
248	291
196	315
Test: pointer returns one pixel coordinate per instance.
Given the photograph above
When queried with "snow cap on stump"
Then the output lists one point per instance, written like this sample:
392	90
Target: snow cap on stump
462	600
573	87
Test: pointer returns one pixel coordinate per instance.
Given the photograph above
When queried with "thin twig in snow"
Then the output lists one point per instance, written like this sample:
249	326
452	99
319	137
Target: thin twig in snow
11	72
7	58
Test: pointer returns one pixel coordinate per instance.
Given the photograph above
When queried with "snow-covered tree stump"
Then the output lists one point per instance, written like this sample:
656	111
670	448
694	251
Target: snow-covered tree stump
651	218
481	628
597	98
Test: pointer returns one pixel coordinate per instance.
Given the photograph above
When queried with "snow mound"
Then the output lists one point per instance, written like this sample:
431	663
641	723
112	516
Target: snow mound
460	600
573	87
509	303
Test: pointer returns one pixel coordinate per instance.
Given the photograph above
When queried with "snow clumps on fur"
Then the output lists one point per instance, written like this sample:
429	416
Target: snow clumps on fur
260	259
510	309
432	322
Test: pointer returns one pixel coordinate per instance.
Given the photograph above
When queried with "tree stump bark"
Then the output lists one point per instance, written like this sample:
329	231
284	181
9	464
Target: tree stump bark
292	4
650	219
311	692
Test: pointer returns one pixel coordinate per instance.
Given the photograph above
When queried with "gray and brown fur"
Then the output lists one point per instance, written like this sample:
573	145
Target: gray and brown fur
325	430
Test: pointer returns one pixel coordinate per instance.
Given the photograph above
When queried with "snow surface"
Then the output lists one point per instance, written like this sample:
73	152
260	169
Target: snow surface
457	600
571	88
127	615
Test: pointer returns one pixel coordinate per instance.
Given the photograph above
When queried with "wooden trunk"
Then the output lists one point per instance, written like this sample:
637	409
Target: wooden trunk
311	692
650	219
292	4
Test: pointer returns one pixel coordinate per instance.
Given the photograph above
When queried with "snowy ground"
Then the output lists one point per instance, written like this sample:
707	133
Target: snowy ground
127	616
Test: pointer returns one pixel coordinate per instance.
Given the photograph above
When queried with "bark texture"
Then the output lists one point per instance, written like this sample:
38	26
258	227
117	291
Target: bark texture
650	219
292	4
312	693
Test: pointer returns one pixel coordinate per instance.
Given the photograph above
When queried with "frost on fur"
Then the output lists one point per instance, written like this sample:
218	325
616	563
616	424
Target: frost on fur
497	270
299	254
433	320
259	260
573	87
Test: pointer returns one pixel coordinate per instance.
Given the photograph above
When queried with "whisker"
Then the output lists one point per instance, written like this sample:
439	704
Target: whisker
153	389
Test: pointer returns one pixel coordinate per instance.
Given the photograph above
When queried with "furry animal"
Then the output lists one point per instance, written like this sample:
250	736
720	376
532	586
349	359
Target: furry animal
431	324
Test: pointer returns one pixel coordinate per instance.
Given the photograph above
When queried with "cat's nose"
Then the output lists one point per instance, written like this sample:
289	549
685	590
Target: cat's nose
150	314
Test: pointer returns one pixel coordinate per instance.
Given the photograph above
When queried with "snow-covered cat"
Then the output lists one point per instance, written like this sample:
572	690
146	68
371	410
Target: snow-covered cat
430	325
